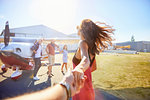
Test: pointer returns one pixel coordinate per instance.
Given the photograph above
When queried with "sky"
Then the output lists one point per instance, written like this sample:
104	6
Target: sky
128	17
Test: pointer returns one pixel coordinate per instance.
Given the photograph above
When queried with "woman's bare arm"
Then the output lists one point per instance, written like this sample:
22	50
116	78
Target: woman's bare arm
82	66
85	62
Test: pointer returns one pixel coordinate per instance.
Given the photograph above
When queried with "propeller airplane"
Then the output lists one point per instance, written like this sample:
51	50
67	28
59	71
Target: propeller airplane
16	53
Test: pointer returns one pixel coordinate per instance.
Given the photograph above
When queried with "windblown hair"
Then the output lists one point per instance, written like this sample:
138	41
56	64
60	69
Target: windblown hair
97	37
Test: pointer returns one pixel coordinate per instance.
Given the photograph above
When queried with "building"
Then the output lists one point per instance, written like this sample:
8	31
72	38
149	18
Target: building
140	46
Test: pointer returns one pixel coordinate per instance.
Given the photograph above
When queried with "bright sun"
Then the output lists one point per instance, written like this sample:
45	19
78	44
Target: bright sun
57	14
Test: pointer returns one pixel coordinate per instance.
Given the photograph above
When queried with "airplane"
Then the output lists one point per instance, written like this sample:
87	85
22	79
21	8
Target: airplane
15	52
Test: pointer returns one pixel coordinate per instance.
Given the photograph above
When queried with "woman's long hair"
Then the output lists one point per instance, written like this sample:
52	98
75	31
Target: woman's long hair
97	37
65	48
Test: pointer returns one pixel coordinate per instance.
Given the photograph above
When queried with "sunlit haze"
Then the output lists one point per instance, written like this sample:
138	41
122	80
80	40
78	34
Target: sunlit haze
129	17
58	14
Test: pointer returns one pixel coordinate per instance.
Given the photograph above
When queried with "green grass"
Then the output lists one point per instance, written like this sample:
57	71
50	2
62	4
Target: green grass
124	75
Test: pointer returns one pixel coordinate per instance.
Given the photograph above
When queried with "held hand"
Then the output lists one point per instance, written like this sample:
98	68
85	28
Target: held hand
78	78
78	88
75	89
69	79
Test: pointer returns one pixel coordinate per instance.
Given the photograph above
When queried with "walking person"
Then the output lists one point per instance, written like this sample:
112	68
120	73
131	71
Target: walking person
65	58
50	50
37	53
94	38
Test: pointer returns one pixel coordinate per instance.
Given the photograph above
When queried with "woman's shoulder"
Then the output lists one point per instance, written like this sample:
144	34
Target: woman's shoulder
83	43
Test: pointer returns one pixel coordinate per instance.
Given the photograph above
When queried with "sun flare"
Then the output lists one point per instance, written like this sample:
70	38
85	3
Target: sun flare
58	14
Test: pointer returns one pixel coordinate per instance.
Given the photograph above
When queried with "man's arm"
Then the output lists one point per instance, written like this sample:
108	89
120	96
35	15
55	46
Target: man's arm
57	92
56	45
47	49
34	51
35	47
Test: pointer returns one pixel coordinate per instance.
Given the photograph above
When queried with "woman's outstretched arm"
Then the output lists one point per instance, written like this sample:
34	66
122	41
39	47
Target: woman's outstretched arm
85	62
82	66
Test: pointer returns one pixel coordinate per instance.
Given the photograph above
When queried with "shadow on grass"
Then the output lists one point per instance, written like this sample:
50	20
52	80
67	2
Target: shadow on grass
101	94
10	88
138	93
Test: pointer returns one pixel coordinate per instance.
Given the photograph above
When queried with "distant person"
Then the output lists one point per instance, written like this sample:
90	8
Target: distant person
65	58
37	53
50	49
62	91
94	38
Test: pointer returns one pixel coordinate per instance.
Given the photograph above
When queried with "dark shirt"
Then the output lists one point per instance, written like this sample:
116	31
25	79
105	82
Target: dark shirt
35	47
77	61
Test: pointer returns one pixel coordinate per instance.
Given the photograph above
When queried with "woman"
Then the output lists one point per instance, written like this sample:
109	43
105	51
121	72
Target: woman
65	58
94	38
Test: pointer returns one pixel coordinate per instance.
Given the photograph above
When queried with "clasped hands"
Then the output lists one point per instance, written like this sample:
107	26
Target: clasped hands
75	79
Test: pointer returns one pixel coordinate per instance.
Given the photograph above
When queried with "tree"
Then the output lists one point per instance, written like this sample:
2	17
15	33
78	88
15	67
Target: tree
132	38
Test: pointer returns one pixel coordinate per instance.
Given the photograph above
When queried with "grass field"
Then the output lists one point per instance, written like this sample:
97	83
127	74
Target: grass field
124	75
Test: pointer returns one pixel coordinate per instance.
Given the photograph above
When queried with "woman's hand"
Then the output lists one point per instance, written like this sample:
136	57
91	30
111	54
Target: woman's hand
70	79
78	78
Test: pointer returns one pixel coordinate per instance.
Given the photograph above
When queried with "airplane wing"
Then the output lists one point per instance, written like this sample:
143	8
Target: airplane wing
67	40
